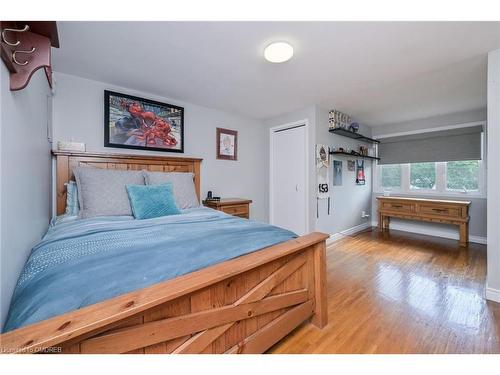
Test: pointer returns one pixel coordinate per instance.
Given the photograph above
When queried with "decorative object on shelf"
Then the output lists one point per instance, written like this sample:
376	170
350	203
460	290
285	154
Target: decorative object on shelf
322	173
138	123
338	120
351	165
25	48
337	173
363	150
360	172
227	144
354	127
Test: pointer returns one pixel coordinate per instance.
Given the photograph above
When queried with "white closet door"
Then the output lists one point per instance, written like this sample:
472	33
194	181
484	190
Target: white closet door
288	174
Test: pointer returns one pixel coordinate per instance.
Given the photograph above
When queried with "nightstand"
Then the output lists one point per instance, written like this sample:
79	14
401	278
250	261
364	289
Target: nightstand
232	206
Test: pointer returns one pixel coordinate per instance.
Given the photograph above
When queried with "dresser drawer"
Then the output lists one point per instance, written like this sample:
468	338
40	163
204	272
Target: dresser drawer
240	209
402	207
244	216
439	210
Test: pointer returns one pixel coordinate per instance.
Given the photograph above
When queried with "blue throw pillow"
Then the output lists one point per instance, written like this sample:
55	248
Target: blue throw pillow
148	201
72	204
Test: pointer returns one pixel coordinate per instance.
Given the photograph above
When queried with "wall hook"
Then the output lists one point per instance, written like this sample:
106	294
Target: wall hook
33	49
25	48
15	44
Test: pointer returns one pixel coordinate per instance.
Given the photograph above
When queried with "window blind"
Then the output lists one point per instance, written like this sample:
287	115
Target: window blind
445	145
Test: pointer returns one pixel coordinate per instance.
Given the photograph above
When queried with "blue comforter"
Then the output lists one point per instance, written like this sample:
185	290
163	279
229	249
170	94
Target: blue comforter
82	262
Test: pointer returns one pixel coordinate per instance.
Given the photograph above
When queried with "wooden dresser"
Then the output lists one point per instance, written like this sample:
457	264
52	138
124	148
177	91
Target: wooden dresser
232	206
431	210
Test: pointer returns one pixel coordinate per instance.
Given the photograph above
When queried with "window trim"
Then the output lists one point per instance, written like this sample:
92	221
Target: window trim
440	190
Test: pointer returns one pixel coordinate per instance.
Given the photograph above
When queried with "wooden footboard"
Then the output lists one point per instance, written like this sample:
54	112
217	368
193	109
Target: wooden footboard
244	305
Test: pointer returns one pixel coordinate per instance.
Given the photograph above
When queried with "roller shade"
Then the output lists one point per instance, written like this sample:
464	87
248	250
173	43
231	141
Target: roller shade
446	145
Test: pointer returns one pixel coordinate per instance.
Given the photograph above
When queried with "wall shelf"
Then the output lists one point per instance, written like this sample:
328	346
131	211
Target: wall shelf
353	155
350	134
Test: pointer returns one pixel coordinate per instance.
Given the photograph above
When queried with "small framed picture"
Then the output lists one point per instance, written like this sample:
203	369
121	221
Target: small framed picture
227	144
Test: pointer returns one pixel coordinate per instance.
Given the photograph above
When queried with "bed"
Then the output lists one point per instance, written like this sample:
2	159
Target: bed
238	303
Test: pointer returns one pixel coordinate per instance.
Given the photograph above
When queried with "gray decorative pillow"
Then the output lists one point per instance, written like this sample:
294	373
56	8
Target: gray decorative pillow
102	192
184	190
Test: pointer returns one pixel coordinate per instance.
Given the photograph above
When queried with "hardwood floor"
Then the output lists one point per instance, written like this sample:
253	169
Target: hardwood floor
402	293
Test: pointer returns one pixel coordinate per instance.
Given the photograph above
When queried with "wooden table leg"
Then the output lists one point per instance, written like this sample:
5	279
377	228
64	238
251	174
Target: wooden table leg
387	220
464	234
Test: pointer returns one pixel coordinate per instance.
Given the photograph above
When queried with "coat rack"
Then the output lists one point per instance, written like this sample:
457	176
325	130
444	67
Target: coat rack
25	48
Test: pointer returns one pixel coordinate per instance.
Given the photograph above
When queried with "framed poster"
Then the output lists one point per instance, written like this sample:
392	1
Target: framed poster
337	173
138	123
351	165
360	172
227	144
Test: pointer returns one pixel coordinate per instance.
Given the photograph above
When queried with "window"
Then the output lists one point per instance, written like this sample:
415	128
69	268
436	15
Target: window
390	176
423	176
442	178
462	175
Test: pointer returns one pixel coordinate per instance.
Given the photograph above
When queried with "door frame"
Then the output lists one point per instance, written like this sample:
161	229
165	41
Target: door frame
272	131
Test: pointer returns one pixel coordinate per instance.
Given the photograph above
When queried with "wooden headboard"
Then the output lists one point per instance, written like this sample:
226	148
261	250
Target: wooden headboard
67	160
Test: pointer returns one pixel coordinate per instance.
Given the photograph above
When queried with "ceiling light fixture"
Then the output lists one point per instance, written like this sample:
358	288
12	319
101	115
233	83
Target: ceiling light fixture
278	52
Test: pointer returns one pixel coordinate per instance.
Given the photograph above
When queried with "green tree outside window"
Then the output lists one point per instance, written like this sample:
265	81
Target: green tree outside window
462	175
423	175
391	176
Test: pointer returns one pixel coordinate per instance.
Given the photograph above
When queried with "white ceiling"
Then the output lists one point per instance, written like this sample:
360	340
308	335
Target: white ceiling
379	72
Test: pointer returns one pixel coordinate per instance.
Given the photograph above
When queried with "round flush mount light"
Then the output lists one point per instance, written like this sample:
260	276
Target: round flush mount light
278	52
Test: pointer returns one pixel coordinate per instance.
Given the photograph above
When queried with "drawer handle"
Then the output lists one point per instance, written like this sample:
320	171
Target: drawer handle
440	209
397	206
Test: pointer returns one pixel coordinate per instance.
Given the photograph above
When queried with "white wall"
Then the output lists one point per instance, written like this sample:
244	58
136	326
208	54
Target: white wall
25	176
79	115
493	176
477	224
348	200
431	122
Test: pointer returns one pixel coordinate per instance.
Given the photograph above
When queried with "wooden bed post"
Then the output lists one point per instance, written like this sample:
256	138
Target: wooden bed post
62	173
320	317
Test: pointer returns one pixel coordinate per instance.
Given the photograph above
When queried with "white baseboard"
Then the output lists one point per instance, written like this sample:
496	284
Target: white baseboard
432	232
492	294
478	239
348	232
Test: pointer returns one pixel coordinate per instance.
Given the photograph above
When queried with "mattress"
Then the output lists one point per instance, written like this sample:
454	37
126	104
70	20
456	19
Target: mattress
85	261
